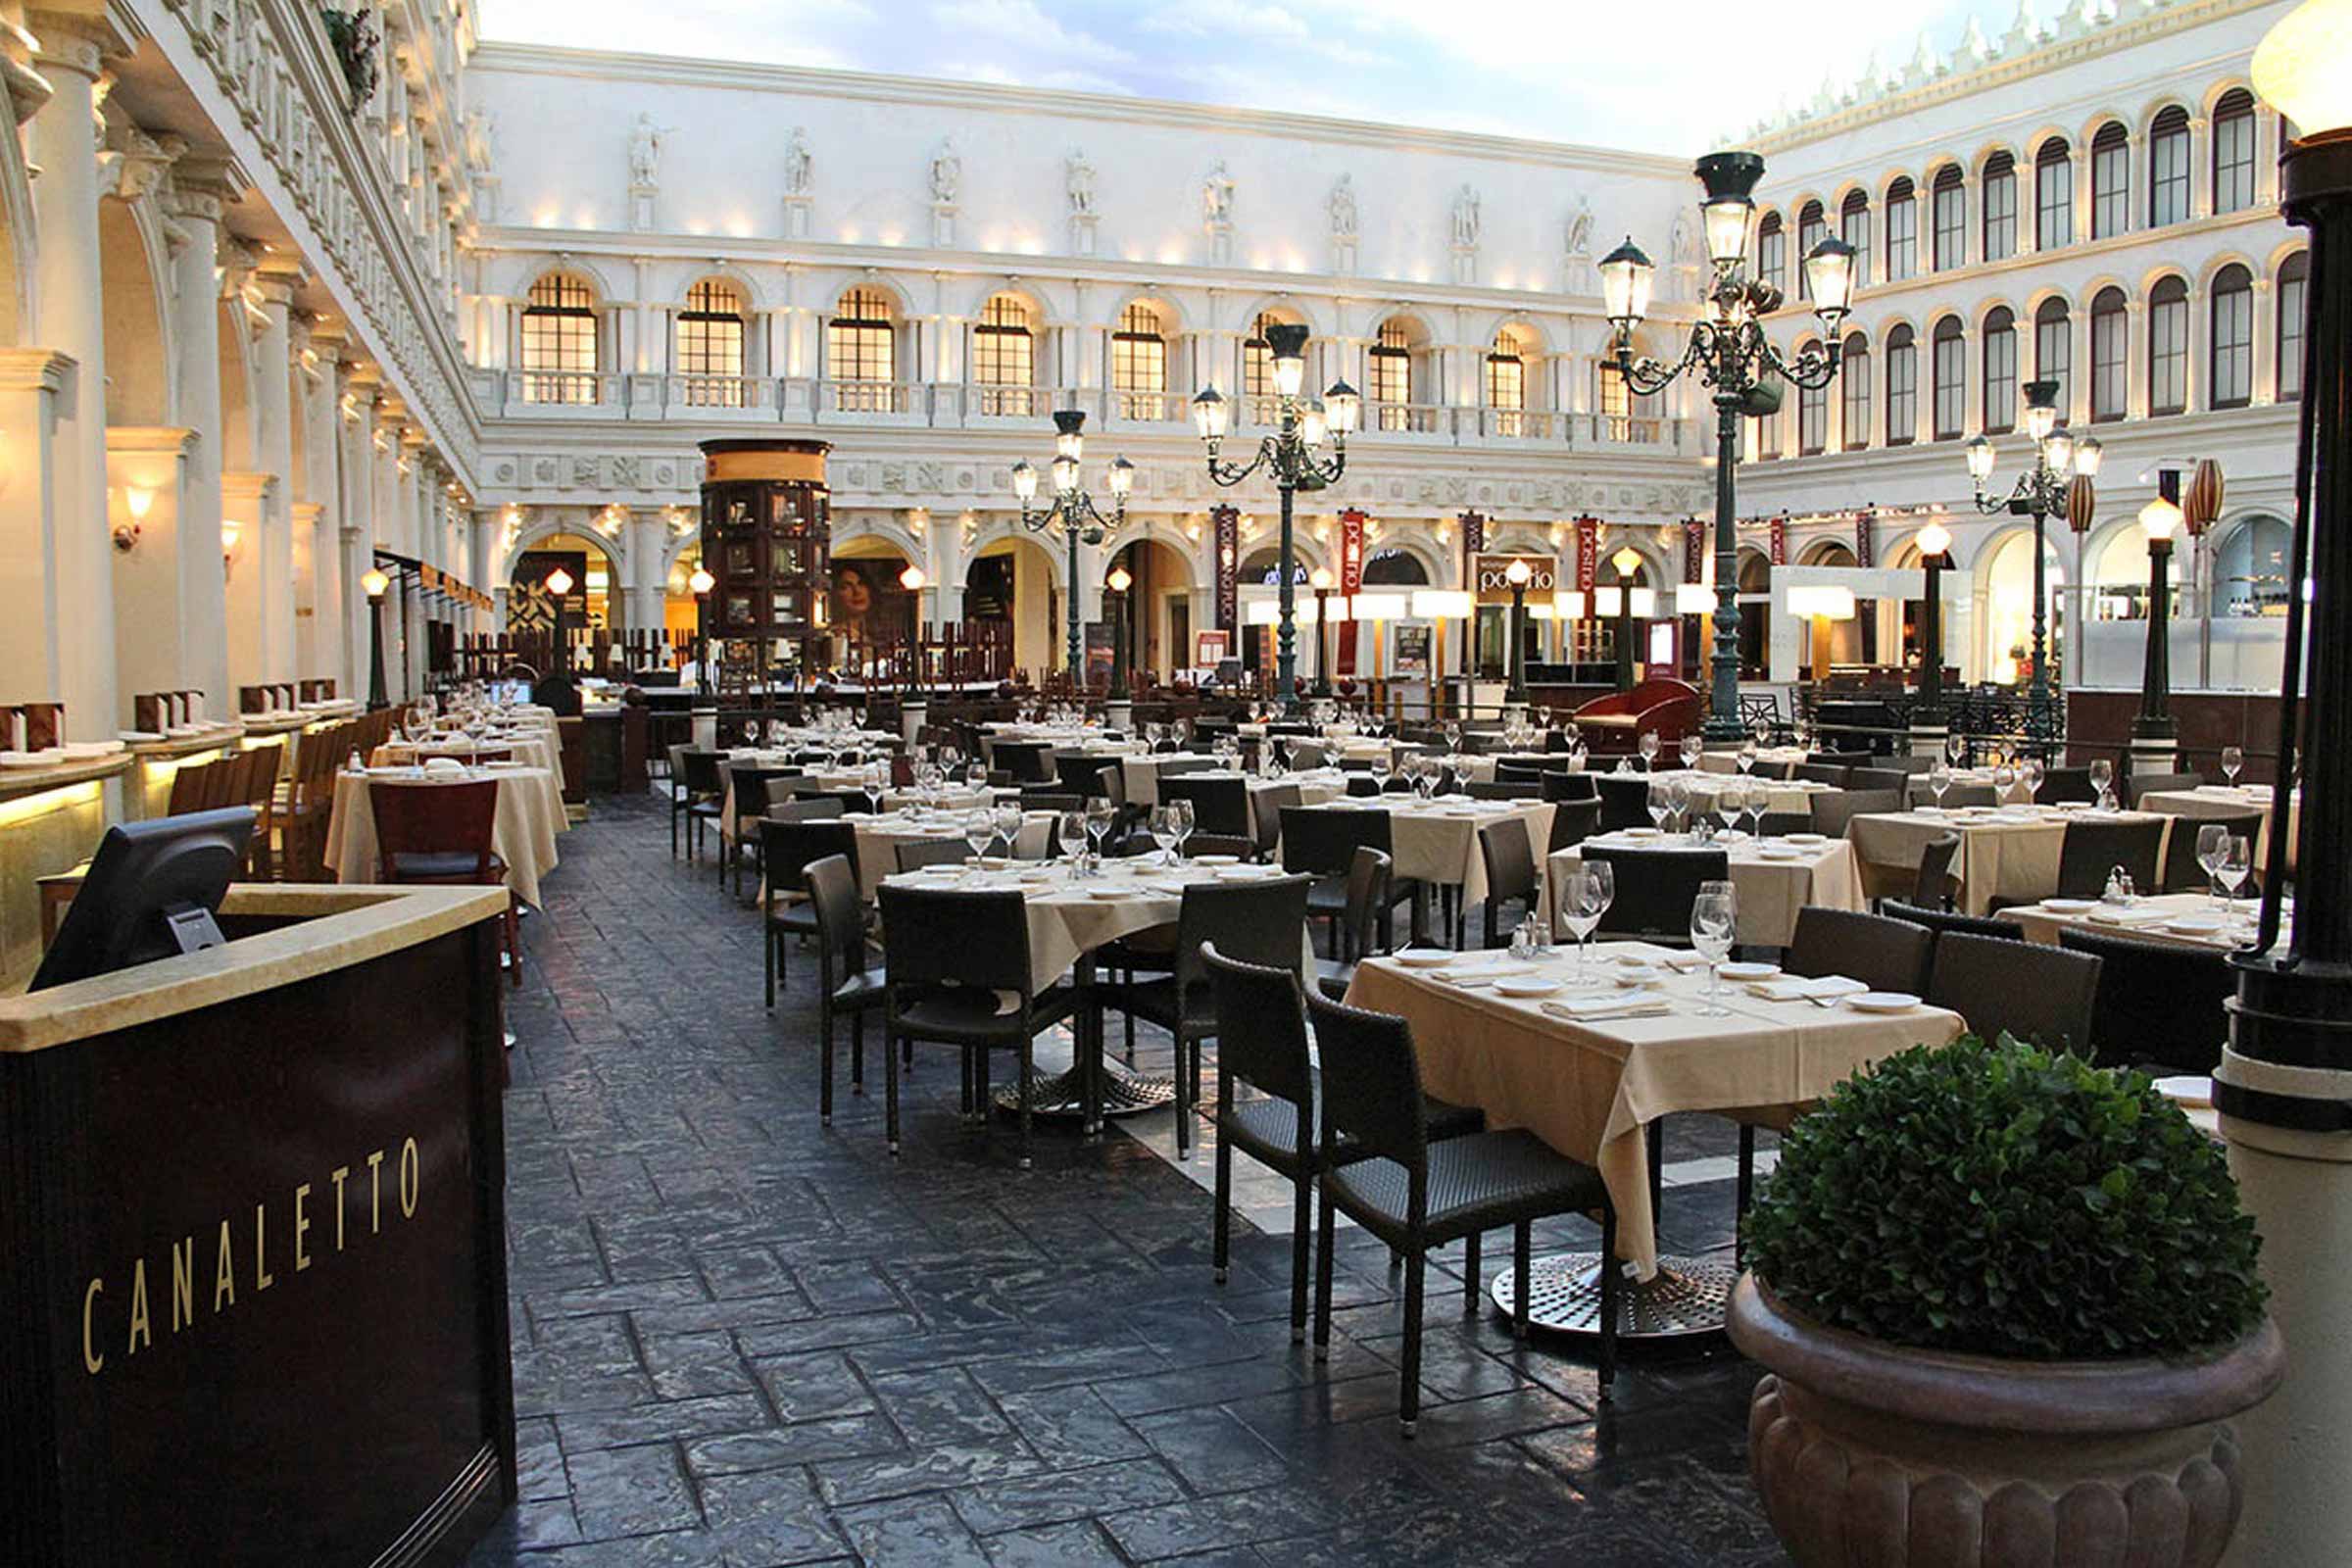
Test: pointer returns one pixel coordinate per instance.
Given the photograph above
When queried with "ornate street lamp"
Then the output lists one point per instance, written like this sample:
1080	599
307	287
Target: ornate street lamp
1730	351
2042	491
1518	575
375	582
1934	555
559	586
1293	457
1320	580
1073	512
1627	561
701	582
2154	736
1119	582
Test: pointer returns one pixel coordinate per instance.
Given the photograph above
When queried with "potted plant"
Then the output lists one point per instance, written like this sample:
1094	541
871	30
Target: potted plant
2008	1303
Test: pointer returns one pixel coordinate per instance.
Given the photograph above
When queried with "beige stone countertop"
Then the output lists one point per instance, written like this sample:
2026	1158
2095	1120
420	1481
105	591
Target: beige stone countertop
213	739
342	926
19	782
280	723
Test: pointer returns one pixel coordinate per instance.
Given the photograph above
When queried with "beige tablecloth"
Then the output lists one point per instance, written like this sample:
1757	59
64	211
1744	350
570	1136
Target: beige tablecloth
879	838
1482	769
1782	795
1922	792
2208	801
1773	756
1588	1089
2010	856
524	834
2149	921
1770	891
539	749
1437	841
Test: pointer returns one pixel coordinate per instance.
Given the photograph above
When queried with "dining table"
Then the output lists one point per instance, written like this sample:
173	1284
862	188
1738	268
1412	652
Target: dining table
1591	1068
530	812
1706	787
880	834
1435	840
1774	760
2191	920
2208	801
1772	878
2009	853
1481	767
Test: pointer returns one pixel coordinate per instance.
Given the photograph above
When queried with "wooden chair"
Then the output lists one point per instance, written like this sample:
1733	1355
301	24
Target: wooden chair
441	835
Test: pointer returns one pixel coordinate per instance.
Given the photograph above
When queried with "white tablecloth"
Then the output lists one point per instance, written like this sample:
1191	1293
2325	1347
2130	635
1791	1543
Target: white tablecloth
879	838
1772	756
1770	891
524	834
1783	795
2150	920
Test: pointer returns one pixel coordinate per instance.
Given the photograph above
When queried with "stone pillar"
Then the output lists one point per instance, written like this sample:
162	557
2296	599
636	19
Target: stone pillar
272	554
62	142
246	499
201	188
332	581
34	383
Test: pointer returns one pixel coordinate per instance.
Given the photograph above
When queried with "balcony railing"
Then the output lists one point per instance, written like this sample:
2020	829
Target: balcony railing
871	397
580	389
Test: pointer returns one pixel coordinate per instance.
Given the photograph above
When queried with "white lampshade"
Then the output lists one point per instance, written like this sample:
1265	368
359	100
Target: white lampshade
1645	604
1606	603
1379	606
1693	599
1441	604
1265	612
1568	604
2160	520
2303	66
1822	603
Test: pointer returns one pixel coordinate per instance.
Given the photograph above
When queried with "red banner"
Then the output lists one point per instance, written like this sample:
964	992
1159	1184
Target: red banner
1778	531
1866	551
1227	521
1694	551
1588	554
1352	550
1473	540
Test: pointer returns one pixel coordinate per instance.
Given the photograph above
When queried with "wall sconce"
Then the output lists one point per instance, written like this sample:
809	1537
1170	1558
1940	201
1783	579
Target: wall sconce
231	531
138	499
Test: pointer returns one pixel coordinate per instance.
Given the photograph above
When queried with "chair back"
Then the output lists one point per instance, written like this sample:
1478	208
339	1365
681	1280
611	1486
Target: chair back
1507	771
1480	790
413	820
1655	889
1878	778
2091	848
1623	800
787	847
1368	881
1261	921
702	770
2160	1005
1846	759
1026	761
1884	953
1171	767
1961	794
2066	784
1829	773
1371	1084
1832	810
1322	841
1933	886
751	781
912	855
2035	993
224	784
935	937
191	787
1309	753
2182	873
1050	798
1556	785
1510	864
1078	773
1944	921
1572	823
832	884
1219	804
1265	810
1261	1026
2141	784
1780	824
803	807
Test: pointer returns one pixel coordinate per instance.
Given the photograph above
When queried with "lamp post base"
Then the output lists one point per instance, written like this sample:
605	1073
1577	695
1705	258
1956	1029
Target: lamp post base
2155	753
1928	737
912	714
1119	714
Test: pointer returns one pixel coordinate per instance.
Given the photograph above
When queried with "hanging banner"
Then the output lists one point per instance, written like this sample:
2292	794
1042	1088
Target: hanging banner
1694	551
1588	554
1866	531
1491	583
1777	533
1474	533
1227	521
1352	550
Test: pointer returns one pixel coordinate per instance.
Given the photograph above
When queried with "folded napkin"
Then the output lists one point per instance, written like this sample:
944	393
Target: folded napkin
1590	1009
1685	961
2130	914
1821	987
443	764
1464	974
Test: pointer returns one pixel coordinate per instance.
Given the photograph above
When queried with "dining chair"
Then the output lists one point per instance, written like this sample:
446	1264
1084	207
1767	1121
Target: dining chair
1780	824
1511	867
1080	773
958	969
1028	761
1305	755
1833	810
1507	771
1383	1170
2092	850
848	977
191	786
1933	883
1259	921
1572	823
1623	800
2037	993
1829	774
2160	1007
1961	792
2139	784
1322	843
2182	873
804	808
749	784
444	835
1482	790
1360	932
1878	778
705	789
1655	890
788	848
2061	784
1219	804
1556	785
912	855
1199	843
1941	921
1266	805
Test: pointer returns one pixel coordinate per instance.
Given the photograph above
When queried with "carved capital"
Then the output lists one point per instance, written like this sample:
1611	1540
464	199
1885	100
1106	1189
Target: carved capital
73	40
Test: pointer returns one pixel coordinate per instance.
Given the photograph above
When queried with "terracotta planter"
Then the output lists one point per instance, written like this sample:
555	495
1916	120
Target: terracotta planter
1870	1454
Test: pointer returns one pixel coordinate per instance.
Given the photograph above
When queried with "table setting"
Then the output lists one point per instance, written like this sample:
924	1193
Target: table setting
530	812
1435	838
2009	853
1775	877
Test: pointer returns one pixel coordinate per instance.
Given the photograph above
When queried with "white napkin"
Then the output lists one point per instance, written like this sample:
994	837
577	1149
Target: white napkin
443	764
1589	1010
1824	986
1685	961
2135	914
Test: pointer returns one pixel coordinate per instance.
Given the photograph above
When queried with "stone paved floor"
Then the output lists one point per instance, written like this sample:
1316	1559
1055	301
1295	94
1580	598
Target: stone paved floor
742	1340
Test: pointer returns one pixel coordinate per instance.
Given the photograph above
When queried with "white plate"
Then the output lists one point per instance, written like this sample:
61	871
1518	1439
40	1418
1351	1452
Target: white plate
1216	859
1882	1002
1527	988
1248	873
1426	957
1641	832
2070	905
1749	971
1805	838
2196	925
1778	852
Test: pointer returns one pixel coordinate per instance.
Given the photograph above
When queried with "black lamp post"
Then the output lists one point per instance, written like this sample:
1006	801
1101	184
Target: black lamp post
1518	575
1730	351
2042	491
1293	457
1934	557
701	582
559	586
1119	582
1626	562
2154	736
1072	510
1320	581
374	581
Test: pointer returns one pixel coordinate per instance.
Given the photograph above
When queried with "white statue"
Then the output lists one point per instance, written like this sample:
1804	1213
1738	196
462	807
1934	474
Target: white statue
1579	227
947	173
1685	244
799	170
1343	208
1465	218
645	152
1080	178
1216	195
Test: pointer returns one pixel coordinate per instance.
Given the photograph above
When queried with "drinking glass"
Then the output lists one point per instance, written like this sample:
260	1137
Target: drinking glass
2236	863
1713	915
2030	774
2232	759
1939	780
978	829
1691	749
1454	735
1162	824
1955	749
1586	899
1759	801
1007	820
1747	758
873	785
2102	780
1730	801
1379	768
1677	803
1649	749
1654	801
976	776
1425	777
2212	838
1099	814
1070	830
1183	825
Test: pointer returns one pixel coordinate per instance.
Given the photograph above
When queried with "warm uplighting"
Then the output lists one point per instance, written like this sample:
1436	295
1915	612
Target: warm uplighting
374	581
1119	581
559	582
1441	604
911	579
2303	66
1518	573
1320	579
2160	520
1627	561
231	531
138	500
1025	480
1934	541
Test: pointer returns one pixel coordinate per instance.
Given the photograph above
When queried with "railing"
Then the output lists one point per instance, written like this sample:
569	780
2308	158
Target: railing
1150	408
1405	418
563	388
870	397
695	391
1009	402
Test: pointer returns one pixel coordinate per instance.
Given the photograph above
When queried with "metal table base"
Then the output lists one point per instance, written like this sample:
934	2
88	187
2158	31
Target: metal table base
1686	1296
1063	1094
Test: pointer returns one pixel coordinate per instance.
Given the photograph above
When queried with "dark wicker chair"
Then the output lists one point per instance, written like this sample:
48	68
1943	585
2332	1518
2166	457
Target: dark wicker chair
1940	922
2139	784
1832	810
789	848
1322	843
1360	930
1931	885
2066	784
2182	873
2091	848
2160	1007
1220	805
1511	875
848	980
1557	785
1572	823
2024	989
1623	800
1655	889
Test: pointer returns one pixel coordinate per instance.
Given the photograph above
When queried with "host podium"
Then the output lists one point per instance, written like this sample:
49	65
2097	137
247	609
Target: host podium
253	1300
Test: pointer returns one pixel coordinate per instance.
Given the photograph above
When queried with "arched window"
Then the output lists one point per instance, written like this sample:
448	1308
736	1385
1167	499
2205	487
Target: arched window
1854	392
1902	387
560	341
1812	414
1005	357
1772	252
2249	568
2168	346
1139	363
1389	374
1257	359
2053	195
1951	218
1998	201
1902	230
711	346
1628	418
2054	351
861	353
1811	229
1950	370
2234	151
2167	168
2000	369
2231	374
2294	276
1506	383
1395	568
2110	180
2109	355
1853	227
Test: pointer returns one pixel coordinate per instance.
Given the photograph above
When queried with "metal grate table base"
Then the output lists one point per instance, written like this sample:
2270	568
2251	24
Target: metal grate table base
1063	1094
1686	1296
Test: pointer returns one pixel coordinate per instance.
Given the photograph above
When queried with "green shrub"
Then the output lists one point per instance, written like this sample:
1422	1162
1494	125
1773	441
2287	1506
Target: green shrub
2001	1200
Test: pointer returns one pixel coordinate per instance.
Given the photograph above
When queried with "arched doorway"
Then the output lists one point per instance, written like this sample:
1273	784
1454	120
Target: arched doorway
592	606
1755	615
867	608
2007	618
1011	580
2249	568
1160	608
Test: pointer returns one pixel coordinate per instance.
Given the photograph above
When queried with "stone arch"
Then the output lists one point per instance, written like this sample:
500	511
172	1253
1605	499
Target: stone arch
132	269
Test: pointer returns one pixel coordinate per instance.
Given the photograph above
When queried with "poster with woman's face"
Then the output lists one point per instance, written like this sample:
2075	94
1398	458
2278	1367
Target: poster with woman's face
867	601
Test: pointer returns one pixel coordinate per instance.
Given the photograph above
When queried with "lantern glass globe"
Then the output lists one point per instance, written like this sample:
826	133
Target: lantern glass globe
1935	541
2303	66
701	582
2160	520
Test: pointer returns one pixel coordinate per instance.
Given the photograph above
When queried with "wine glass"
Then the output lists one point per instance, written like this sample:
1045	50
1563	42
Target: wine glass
1185	821
1713	915
2030	772
1654	801
2236	864
1162	826
1099	814
1759	801
416	722
1070	830
1730	801
1955	749
2004	779
1648	746
1939	780
2233	759
871	784
975	776
1007	820
2212	839
1378	767
978	828
1425	777
1691	749
1591	888
2102	780
1746	760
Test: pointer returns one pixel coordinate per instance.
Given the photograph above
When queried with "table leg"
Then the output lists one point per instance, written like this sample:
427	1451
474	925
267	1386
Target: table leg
1092	1088
1686	1296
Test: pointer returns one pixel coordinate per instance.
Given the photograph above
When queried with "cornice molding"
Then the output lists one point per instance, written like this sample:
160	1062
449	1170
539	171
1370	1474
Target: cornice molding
168	440
35	370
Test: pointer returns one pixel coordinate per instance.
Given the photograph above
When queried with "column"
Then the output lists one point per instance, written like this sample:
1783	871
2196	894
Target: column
2200	167
357	525
34	383
202	185
330	580
246	500
2136	357
79	669
272	557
